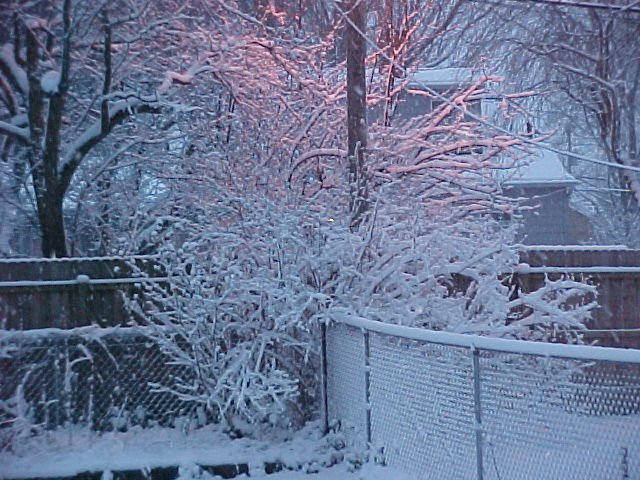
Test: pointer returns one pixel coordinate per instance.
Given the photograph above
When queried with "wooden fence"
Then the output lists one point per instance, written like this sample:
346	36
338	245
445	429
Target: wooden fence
615	272
68	293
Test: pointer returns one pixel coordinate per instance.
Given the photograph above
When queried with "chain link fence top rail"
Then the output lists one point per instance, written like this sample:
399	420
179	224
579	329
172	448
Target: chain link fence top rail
446	406
105	379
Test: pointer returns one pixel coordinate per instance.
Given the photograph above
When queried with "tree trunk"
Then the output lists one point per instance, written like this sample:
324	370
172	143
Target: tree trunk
54	244
356	107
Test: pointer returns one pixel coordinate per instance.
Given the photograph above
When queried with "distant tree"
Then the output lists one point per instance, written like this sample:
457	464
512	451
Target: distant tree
72	75
584	64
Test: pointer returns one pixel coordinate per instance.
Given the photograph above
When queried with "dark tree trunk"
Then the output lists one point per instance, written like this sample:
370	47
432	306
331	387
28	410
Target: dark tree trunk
54	242
356	47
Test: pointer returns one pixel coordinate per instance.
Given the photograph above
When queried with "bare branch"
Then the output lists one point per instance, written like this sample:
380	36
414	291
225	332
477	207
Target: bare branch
11	70
118	112
106	86
14	131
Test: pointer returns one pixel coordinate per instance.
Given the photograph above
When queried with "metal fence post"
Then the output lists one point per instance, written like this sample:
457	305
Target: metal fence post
367	387
324	395
57	393
478	411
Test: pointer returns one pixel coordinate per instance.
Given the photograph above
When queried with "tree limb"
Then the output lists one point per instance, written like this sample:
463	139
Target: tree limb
9	99
11	70
57	100
106	86
118	113
14	131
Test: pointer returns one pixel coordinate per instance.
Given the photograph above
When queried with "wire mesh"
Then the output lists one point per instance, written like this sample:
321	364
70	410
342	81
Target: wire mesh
548	418
422	406
103	383
346	381
540	417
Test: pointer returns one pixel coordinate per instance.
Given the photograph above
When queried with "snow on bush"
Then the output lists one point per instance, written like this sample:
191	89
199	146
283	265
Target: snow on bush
261	246
240	313
16	415
249	286
455	277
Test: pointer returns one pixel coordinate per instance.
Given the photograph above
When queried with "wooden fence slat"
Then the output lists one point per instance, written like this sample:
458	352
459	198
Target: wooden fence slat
74	304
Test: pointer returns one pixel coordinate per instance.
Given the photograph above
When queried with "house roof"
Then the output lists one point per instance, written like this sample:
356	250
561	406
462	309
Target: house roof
543	169
442	77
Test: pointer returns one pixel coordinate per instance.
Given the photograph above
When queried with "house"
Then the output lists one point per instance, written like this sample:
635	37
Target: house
541	185
413	100
543	188
445	81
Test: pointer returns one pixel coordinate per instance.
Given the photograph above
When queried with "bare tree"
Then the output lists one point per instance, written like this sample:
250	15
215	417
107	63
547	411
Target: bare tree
71	75
585	64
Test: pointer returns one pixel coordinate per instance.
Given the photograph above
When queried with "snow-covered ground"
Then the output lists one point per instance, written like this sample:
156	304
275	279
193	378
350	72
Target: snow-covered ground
338	472
304	455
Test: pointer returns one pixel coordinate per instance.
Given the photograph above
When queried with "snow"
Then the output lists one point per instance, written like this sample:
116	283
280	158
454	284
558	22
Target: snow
8	216
94	131
81	279
183	78
573	248
72	452
77	259
577	352
50	81
14	130
545	168
524	268
6	57
91	332
443	77
340	472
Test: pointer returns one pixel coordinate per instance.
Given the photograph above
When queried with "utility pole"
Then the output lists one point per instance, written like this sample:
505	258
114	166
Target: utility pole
356	46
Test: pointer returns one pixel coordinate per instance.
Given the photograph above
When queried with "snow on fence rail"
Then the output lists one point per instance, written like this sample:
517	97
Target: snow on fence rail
72	293
101	378
82	280
448	406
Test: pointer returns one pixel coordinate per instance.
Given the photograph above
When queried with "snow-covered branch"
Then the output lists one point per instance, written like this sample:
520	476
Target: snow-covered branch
319	152
21	133
183	78
118	113
11	70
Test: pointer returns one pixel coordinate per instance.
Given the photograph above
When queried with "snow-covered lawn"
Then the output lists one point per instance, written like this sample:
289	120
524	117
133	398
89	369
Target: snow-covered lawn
304	455
338	472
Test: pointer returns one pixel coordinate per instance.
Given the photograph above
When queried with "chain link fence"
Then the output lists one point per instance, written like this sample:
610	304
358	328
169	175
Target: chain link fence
104	381
445	406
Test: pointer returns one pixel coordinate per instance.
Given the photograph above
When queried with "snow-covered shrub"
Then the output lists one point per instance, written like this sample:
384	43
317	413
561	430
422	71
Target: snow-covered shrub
249	285
260	244
240	311
453	276
16	415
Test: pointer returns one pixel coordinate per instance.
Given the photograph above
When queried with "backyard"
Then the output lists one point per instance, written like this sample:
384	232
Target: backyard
320	239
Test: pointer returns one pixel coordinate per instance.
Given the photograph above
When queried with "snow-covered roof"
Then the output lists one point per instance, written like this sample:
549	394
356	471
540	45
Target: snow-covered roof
443	77
543	169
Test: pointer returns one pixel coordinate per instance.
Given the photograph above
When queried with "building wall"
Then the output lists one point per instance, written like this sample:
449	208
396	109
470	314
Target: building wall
548	219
